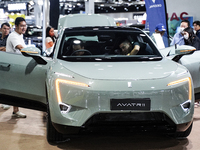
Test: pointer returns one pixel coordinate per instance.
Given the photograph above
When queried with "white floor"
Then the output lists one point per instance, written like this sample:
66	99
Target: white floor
30	134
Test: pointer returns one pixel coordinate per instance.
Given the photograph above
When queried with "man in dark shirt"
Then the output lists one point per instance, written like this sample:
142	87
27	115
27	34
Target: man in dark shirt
128	48
196	25
5	29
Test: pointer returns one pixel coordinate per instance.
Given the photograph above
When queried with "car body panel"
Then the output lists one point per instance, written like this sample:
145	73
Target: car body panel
122	71
95	99
116	80
81	20
22	77
76	88
192	63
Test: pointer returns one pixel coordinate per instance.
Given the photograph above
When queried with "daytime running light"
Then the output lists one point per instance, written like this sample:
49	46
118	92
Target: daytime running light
58	81
188	79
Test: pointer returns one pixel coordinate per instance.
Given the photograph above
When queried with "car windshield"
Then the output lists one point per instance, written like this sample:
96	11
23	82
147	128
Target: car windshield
104	44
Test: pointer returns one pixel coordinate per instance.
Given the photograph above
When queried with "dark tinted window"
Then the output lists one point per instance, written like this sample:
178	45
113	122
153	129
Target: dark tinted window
96	43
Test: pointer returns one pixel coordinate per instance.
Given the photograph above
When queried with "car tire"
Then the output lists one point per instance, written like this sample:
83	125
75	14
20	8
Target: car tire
185	133
53	136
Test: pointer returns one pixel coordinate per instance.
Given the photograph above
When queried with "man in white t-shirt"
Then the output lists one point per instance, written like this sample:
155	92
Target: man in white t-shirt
15	41
14	44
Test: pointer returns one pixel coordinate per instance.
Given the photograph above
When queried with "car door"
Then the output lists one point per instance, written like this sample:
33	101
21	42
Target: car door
192	63
22	77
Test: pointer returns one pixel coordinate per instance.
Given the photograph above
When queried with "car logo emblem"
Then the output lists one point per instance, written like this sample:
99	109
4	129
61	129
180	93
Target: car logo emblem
129	85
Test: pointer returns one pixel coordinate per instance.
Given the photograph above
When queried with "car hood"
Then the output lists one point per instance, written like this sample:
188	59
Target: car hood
122	70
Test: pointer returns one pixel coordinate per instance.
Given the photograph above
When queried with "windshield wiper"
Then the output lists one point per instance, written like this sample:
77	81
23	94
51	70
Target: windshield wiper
103	58
155	58
114	58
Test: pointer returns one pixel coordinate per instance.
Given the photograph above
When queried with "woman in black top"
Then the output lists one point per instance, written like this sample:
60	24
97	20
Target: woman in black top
190	38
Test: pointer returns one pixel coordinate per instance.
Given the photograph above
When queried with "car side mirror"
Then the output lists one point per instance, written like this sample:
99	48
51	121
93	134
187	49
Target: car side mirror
181	50
35	53
184	49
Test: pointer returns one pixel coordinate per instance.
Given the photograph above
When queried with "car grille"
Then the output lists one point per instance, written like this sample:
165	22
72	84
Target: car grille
146	121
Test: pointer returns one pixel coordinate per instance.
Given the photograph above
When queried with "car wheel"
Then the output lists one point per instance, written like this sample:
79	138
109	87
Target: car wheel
53	136
185	133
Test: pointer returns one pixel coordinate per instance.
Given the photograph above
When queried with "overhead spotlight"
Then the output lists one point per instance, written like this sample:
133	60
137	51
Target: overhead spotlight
125	9
31	2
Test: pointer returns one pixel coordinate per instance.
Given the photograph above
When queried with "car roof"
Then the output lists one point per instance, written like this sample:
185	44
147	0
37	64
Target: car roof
105	28
79	20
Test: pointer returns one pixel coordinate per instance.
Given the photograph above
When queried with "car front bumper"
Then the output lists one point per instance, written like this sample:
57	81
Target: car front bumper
88	102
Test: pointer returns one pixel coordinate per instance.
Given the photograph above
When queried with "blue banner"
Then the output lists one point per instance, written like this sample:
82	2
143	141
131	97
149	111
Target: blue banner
156	13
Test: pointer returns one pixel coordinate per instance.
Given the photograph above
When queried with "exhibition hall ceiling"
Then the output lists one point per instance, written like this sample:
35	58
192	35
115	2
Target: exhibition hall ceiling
101	6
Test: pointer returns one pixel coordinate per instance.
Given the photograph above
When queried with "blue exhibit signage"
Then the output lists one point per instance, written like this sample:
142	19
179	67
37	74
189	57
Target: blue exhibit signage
156	13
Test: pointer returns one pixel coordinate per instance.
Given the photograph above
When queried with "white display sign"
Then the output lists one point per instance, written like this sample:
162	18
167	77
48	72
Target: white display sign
19	6
159	40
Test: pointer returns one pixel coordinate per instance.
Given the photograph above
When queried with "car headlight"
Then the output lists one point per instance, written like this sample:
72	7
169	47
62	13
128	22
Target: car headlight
188	79
65	107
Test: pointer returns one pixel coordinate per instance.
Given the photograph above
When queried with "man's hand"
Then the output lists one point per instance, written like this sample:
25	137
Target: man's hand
3	49
20	47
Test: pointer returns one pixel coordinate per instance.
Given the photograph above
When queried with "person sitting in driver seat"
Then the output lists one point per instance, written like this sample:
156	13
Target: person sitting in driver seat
77	45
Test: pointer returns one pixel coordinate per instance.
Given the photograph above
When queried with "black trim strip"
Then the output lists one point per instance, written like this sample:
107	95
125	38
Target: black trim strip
22	102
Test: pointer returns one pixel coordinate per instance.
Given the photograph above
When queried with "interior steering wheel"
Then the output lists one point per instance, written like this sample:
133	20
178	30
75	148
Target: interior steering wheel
81	50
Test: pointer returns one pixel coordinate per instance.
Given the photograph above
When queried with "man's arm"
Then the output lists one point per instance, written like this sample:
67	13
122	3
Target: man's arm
19	47
2	48
135	50
174	39
198	34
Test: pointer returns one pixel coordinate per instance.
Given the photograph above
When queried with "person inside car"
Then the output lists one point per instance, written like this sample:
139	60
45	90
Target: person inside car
77	45
128	48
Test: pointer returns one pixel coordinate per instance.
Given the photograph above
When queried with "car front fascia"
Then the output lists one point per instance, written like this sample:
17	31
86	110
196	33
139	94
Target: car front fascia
88	101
